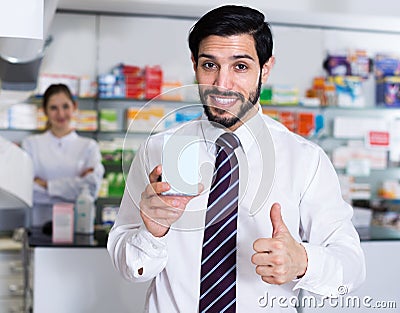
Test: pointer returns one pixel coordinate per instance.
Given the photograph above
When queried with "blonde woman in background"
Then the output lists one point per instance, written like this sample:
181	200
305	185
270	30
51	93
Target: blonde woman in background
63	161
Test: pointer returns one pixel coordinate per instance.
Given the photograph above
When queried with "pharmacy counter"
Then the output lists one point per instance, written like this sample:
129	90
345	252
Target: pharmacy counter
80	278
378	233
380	291
37	238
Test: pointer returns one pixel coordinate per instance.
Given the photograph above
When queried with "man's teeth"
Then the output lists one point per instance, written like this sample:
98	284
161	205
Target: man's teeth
225	101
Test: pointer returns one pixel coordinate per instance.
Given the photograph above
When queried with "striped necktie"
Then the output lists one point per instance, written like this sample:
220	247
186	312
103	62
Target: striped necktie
218	265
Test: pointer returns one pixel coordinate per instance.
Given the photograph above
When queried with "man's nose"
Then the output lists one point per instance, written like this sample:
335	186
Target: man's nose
224	79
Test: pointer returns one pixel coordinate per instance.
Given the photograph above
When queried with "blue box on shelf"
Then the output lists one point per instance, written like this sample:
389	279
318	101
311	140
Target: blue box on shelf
388	92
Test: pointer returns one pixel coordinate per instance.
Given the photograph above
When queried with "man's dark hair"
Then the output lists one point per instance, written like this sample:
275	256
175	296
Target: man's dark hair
232	20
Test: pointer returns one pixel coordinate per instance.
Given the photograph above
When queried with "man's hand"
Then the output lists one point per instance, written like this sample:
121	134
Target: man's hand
279	259
157	211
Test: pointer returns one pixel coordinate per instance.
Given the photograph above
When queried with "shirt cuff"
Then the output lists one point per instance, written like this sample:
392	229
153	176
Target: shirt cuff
146	255
52	188
323	275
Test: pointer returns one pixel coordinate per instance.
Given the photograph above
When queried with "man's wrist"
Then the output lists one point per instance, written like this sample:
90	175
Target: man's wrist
304	263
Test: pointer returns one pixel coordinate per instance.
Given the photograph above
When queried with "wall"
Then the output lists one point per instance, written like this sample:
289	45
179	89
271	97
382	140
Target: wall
89	44
383	8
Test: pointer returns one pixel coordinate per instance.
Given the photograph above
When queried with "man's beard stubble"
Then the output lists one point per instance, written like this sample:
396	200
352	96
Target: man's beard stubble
228	122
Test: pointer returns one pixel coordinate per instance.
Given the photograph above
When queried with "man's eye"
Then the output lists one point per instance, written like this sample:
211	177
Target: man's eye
241	67
209	65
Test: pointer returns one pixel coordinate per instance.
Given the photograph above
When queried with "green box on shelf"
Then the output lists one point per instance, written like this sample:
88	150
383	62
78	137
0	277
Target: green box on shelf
116	184
112	157
108	120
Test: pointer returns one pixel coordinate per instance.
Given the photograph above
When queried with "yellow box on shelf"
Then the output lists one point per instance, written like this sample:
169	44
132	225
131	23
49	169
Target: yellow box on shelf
144	119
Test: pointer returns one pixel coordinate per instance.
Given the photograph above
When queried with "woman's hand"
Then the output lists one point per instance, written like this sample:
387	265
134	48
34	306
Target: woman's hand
87	171
40	182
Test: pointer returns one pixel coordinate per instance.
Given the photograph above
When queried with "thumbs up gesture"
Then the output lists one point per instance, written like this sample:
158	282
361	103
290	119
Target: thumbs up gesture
279	259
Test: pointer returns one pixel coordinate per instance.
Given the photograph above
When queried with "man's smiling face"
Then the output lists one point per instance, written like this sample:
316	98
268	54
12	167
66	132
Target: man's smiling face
230	78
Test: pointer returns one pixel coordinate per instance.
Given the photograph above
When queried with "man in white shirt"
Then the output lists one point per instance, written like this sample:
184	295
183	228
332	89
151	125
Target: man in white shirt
294	230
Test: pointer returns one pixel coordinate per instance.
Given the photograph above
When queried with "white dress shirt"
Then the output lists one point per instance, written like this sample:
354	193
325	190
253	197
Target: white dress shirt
275	166
60	162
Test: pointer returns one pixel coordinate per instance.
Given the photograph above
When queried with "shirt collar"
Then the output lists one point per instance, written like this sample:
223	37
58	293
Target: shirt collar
210	133
72	135
246	133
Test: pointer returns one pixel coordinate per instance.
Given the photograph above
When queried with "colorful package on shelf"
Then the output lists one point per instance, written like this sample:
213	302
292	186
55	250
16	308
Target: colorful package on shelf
171	91
285	95
118	151
305	123
133	92
144	119
349	91
360	63
390	189
87	87
337	65
41	119
183	116
131	70
153	77
316	92
108	120
111	86
131	81
350	63
134	82
356	150
116	184
274	114
86	120
288	119
103	191
266	95
47	79
388	91
109	215
22	116
353	127
386	65
111	154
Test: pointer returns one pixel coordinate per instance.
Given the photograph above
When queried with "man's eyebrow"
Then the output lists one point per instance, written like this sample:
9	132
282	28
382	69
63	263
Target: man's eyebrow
243	56
207	56
235	57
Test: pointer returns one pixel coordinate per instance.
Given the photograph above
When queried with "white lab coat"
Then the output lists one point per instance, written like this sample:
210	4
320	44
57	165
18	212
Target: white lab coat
60	161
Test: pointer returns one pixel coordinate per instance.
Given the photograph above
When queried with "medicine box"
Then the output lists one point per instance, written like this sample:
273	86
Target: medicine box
350	63
349	91
386	65
63	222
388	91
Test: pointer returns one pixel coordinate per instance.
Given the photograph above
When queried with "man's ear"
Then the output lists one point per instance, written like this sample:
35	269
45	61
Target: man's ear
266	69
194	63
